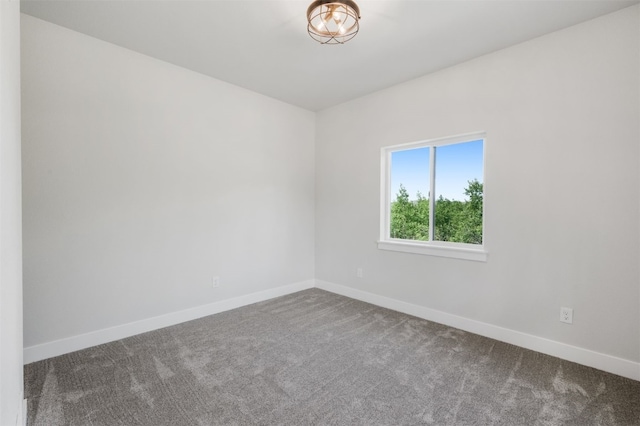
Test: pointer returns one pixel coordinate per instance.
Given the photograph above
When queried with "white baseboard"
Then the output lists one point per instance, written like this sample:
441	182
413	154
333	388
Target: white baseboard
83	341
608	363
582	356
22	421
20	412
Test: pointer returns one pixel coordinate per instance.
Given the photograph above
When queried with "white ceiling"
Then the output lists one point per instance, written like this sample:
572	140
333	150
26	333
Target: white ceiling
263	45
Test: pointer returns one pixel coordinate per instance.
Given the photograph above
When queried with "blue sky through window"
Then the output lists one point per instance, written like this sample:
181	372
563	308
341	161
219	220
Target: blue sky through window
455	165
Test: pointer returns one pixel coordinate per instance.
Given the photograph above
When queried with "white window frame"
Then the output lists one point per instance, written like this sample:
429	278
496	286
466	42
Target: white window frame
476	252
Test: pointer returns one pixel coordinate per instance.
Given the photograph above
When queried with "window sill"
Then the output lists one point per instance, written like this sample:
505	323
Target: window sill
430	249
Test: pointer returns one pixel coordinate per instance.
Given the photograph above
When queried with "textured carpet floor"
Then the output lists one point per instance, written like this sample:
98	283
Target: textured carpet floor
316	358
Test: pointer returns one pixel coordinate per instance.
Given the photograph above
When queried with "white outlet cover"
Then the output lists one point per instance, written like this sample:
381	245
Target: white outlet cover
566	315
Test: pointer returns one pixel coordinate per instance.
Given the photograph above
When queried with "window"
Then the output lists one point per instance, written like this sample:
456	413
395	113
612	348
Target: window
450	223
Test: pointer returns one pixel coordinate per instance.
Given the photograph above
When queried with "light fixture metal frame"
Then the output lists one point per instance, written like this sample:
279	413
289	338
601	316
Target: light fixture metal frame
327	36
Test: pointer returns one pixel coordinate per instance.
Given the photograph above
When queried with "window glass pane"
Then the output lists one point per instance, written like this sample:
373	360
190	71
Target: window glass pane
409	191
459	192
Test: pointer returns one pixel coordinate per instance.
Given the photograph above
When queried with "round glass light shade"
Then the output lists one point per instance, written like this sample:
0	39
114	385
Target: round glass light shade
333	21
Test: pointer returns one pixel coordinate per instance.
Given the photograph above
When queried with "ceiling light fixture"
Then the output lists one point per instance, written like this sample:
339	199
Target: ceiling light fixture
333	21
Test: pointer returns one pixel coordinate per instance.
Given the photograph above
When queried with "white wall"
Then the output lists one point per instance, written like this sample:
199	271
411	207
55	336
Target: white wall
10	218
562	190
143	180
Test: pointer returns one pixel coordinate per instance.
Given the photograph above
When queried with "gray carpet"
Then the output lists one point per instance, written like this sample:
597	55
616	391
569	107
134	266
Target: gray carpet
316	358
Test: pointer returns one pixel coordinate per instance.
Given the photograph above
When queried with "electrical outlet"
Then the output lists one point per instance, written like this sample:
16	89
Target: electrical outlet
359	272
566	315
215	282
